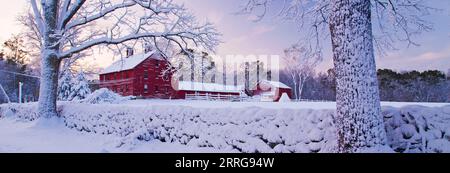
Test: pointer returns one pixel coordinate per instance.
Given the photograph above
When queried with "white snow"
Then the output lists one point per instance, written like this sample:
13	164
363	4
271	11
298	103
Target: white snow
128	63
25	137
268	105
439	146
80	88
104	96
273	84
198	126
285	98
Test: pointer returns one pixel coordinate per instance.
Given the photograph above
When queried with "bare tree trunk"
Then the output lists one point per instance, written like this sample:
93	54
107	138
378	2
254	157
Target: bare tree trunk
300	89
49	85
295	90
358	100
50	62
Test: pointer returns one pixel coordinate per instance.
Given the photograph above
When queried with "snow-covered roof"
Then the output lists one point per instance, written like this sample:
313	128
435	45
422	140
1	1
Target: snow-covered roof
128	63
208	87
275	84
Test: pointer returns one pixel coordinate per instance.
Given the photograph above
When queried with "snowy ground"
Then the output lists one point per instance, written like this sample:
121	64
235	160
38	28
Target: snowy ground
269	105
25	137
200	126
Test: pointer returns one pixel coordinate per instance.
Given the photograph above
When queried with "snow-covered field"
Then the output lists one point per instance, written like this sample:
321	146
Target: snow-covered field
18	136
200	126
268	105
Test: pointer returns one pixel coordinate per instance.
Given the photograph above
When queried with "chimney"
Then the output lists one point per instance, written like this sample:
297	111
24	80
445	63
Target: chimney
130	52
148	48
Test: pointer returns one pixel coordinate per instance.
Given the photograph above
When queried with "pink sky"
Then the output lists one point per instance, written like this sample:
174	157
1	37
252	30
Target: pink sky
242	36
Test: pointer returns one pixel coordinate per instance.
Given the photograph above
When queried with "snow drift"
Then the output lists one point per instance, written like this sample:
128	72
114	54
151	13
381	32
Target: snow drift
249	130
104	95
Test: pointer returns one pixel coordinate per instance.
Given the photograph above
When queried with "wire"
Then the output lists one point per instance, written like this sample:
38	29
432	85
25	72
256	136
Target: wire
21	74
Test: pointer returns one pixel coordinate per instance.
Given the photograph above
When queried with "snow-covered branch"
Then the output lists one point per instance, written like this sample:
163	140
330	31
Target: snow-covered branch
401	19
127	20
68	28
394	20
69	12
38	17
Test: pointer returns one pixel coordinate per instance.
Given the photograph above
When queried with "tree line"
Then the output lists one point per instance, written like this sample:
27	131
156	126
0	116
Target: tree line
405	86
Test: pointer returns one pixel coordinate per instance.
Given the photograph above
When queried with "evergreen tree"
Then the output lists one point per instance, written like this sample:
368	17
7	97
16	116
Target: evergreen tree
65	86
80	88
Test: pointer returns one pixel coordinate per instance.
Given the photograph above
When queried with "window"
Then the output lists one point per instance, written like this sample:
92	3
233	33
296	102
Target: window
145	88
157	64
165	77
145	74
156	89
167	90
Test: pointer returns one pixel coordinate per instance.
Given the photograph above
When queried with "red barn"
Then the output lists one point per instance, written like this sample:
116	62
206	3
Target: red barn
272	90
139	75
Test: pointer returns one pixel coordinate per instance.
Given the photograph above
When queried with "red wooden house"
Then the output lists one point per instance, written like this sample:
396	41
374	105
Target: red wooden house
139	75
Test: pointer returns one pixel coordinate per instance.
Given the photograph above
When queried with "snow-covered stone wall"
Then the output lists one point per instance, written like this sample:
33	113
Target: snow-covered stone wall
253	129
417	129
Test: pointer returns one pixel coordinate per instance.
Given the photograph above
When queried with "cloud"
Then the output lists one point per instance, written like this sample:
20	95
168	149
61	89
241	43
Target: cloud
215	17
429	56
426	60
255	32
262	29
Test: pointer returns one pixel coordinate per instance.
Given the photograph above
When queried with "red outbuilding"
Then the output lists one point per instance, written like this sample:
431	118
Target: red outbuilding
272	90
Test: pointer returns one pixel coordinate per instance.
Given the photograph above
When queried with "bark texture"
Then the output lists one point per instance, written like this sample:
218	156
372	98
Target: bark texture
358	100
50	62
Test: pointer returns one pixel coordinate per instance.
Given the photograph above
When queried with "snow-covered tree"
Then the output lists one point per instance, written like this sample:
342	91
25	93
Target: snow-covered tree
65	86
300	63
196	66
107	23
80	89
34	44
349	23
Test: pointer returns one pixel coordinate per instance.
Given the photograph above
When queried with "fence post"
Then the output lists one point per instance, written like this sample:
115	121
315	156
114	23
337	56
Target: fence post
20	92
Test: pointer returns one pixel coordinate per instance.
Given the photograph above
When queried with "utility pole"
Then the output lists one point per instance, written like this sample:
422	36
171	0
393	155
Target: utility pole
20	92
